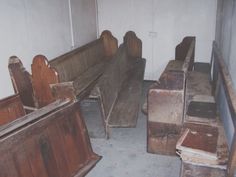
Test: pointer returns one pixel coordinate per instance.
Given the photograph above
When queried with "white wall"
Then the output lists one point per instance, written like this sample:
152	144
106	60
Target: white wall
161	25
31	27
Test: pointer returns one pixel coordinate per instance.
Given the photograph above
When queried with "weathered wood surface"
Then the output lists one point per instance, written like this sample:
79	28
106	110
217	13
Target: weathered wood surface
190	170
11	108
21	81
162	138
119	88
127	105
169	92
79	65
55	144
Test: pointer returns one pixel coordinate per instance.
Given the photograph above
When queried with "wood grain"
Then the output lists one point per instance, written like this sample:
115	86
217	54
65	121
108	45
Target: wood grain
54	144
11	108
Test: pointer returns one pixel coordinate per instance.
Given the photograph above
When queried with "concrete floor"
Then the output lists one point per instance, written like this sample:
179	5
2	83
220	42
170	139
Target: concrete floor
124	154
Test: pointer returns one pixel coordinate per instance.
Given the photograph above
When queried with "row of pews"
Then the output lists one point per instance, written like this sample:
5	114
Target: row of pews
42	130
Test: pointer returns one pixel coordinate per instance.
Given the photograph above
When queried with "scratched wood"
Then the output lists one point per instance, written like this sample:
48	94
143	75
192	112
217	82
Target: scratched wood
54	144
11	108
79	63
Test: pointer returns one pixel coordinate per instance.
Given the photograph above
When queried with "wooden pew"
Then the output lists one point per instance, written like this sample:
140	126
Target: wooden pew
166	101
11	108
50	142
73	74
224	147
120	87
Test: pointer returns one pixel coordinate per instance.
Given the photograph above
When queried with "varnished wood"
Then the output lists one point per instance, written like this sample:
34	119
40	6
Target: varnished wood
43	75
52	143
21	81
11	108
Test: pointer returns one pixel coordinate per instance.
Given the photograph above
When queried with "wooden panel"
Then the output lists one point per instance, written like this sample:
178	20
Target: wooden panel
181	49
21	81
126	108
110	43
11	108
55	144
133	45
42	76
162	138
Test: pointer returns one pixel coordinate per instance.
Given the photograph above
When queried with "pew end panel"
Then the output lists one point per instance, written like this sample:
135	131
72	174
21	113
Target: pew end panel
110	43
165	112
43	75
52	141
21	81
133	45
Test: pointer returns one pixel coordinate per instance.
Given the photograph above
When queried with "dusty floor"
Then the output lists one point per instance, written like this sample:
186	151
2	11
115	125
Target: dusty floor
124	154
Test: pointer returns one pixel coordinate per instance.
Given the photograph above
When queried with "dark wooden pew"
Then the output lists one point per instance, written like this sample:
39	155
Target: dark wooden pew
50	142
120	87
11	108
166	101
72	74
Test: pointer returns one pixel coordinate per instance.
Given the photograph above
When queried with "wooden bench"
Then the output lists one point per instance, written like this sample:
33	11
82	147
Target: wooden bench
73	74
52	141
202	120
120	87
166	101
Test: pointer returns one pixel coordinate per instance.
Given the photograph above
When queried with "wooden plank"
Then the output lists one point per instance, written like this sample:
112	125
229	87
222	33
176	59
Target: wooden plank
126	108
11	108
